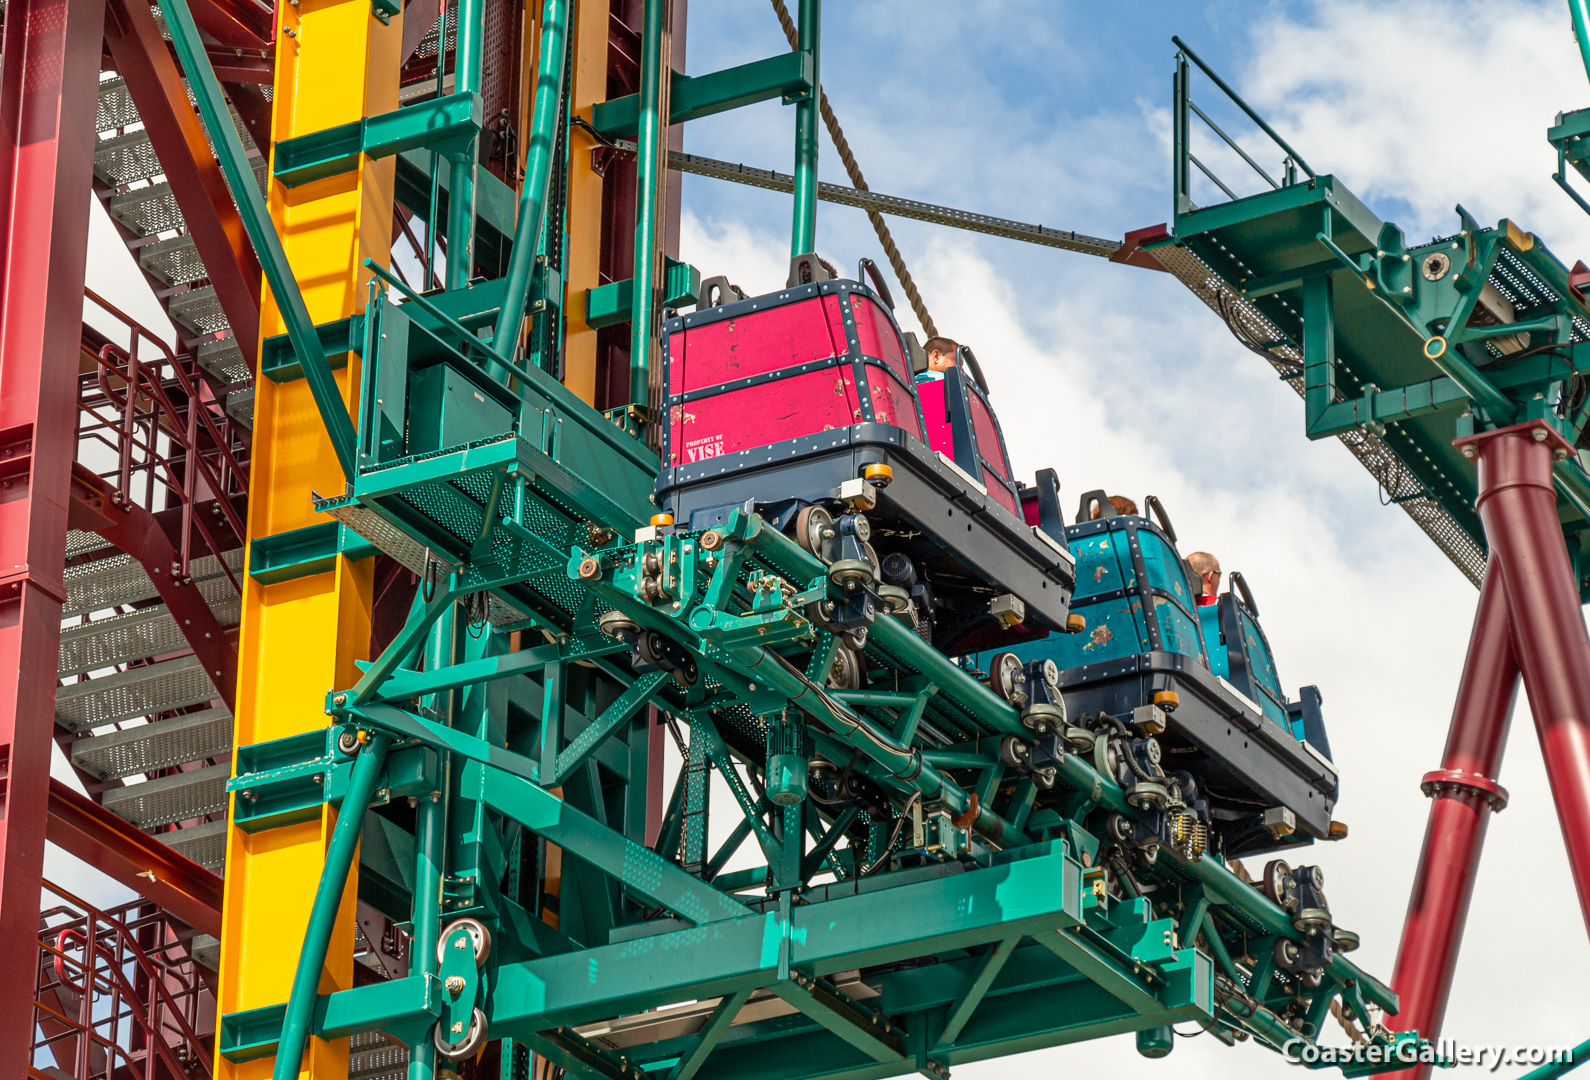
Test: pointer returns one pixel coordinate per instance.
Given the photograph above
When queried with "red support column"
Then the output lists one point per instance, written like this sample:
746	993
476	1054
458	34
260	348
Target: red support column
1518	505
1465	792
144	60
49	82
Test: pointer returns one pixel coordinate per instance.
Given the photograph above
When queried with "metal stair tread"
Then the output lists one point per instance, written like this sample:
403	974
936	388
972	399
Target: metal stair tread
125	159
173	262
223	358
162	744
147	211
116	108
139	691
199	310
170	798
205	844
120	579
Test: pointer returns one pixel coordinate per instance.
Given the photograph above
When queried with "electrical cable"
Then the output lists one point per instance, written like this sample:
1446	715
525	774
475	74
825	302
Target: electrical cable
835	132
894	835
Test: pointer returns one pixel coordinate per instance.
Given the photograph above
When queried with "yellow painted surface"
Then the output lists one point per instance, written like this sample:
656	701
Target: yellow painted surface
584	200
300	638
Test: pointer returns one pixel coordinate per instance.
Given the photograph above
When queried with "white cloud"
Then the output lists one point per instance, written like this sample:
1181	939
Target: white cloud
1431	103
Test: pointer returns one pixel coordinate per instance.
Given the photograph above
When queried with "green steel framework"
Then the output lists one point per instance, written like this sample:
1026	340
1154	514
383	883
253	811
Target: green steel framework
467	766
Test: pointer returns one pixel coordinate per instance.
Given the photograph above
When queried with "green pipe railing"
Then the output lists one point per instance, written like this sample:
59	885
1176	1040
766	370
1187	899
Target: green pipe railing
261	230
299	1019
803	233
648	176
467	53
550	76
1581	17
1552	1070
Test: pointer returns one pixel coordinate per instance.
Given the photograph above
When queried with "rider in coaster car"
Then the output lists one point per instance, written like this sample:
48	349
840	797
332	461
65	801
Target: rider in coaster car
940	357
1122	505
1207	570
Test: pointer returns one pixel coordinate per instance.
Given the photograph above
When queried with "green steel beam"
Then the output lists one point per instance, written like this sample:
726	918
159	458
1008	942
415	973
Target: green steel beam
446	125
297	1021
298	553
988	968
279	364
641	693
707	1038
789	76
1581	30
261	231
803	231
868	1032
1098	967
614	303
551	72
651	136
468	57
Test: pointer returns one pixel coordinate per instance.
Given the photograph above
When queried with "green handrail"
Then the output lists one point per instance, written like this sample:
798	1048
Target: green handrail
552	70
1580	1055
1580	11
261	231
299	1020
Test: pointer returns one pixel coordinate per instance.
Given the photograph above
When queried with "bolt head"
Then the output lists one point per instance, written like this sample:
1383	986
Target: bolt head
455	984
1539	434
1469	452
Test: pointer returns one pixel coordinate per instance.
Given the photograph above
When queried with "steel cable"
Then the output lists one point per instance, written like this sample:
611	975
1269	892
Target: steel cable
881	227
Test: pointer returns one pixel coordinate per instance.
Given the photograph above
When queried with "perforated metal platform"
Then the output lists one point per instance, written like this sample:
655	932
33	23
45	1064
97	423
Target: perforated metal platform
205	844
119	579
159	745
139	691
171	798
173	262
125	159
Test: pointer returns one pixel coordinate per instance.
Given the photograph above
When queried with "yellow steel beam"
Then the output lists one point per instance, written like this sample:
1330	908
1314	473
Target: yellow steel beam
584	199
335	63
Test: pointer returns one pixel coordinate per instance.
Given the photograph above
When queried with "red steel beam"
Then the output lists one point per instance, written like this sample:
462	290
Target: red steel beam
1518	506
131	856
236	24
1464	793
49	83
144	60
135	531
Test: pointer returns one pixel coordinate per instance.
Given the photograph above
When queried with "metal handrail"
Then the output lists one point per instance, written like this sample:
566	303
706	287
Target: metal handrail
146	411
1236	99
136	1009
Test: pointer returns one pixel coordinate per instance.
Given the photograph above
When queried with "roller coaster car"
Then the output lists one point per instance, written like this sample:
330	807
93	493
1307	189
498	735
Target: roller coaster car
800	404
1262	764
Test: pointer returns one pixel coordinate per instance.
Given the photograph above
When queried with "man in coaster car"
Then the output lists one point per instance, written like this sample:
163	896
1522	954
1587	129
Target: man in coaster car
1206	571
940	357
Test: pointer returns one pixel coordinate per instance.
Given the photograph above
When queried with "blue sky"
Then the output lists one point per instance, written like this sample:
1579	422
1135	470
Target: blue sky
1058	113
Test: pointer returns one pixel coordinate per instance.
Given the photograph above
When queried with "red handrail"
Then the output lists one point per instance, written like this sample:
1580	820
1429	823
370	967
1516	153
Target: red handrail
201	442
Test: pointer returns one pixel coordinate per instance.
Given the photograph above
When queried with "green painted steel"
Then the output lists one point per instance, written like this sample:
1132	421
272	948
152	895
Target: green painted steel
791	77
1552	1070
468	54
301	552
651	135
297	1020
446	125
261	231
803	231
1397	348
543	138
614	302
